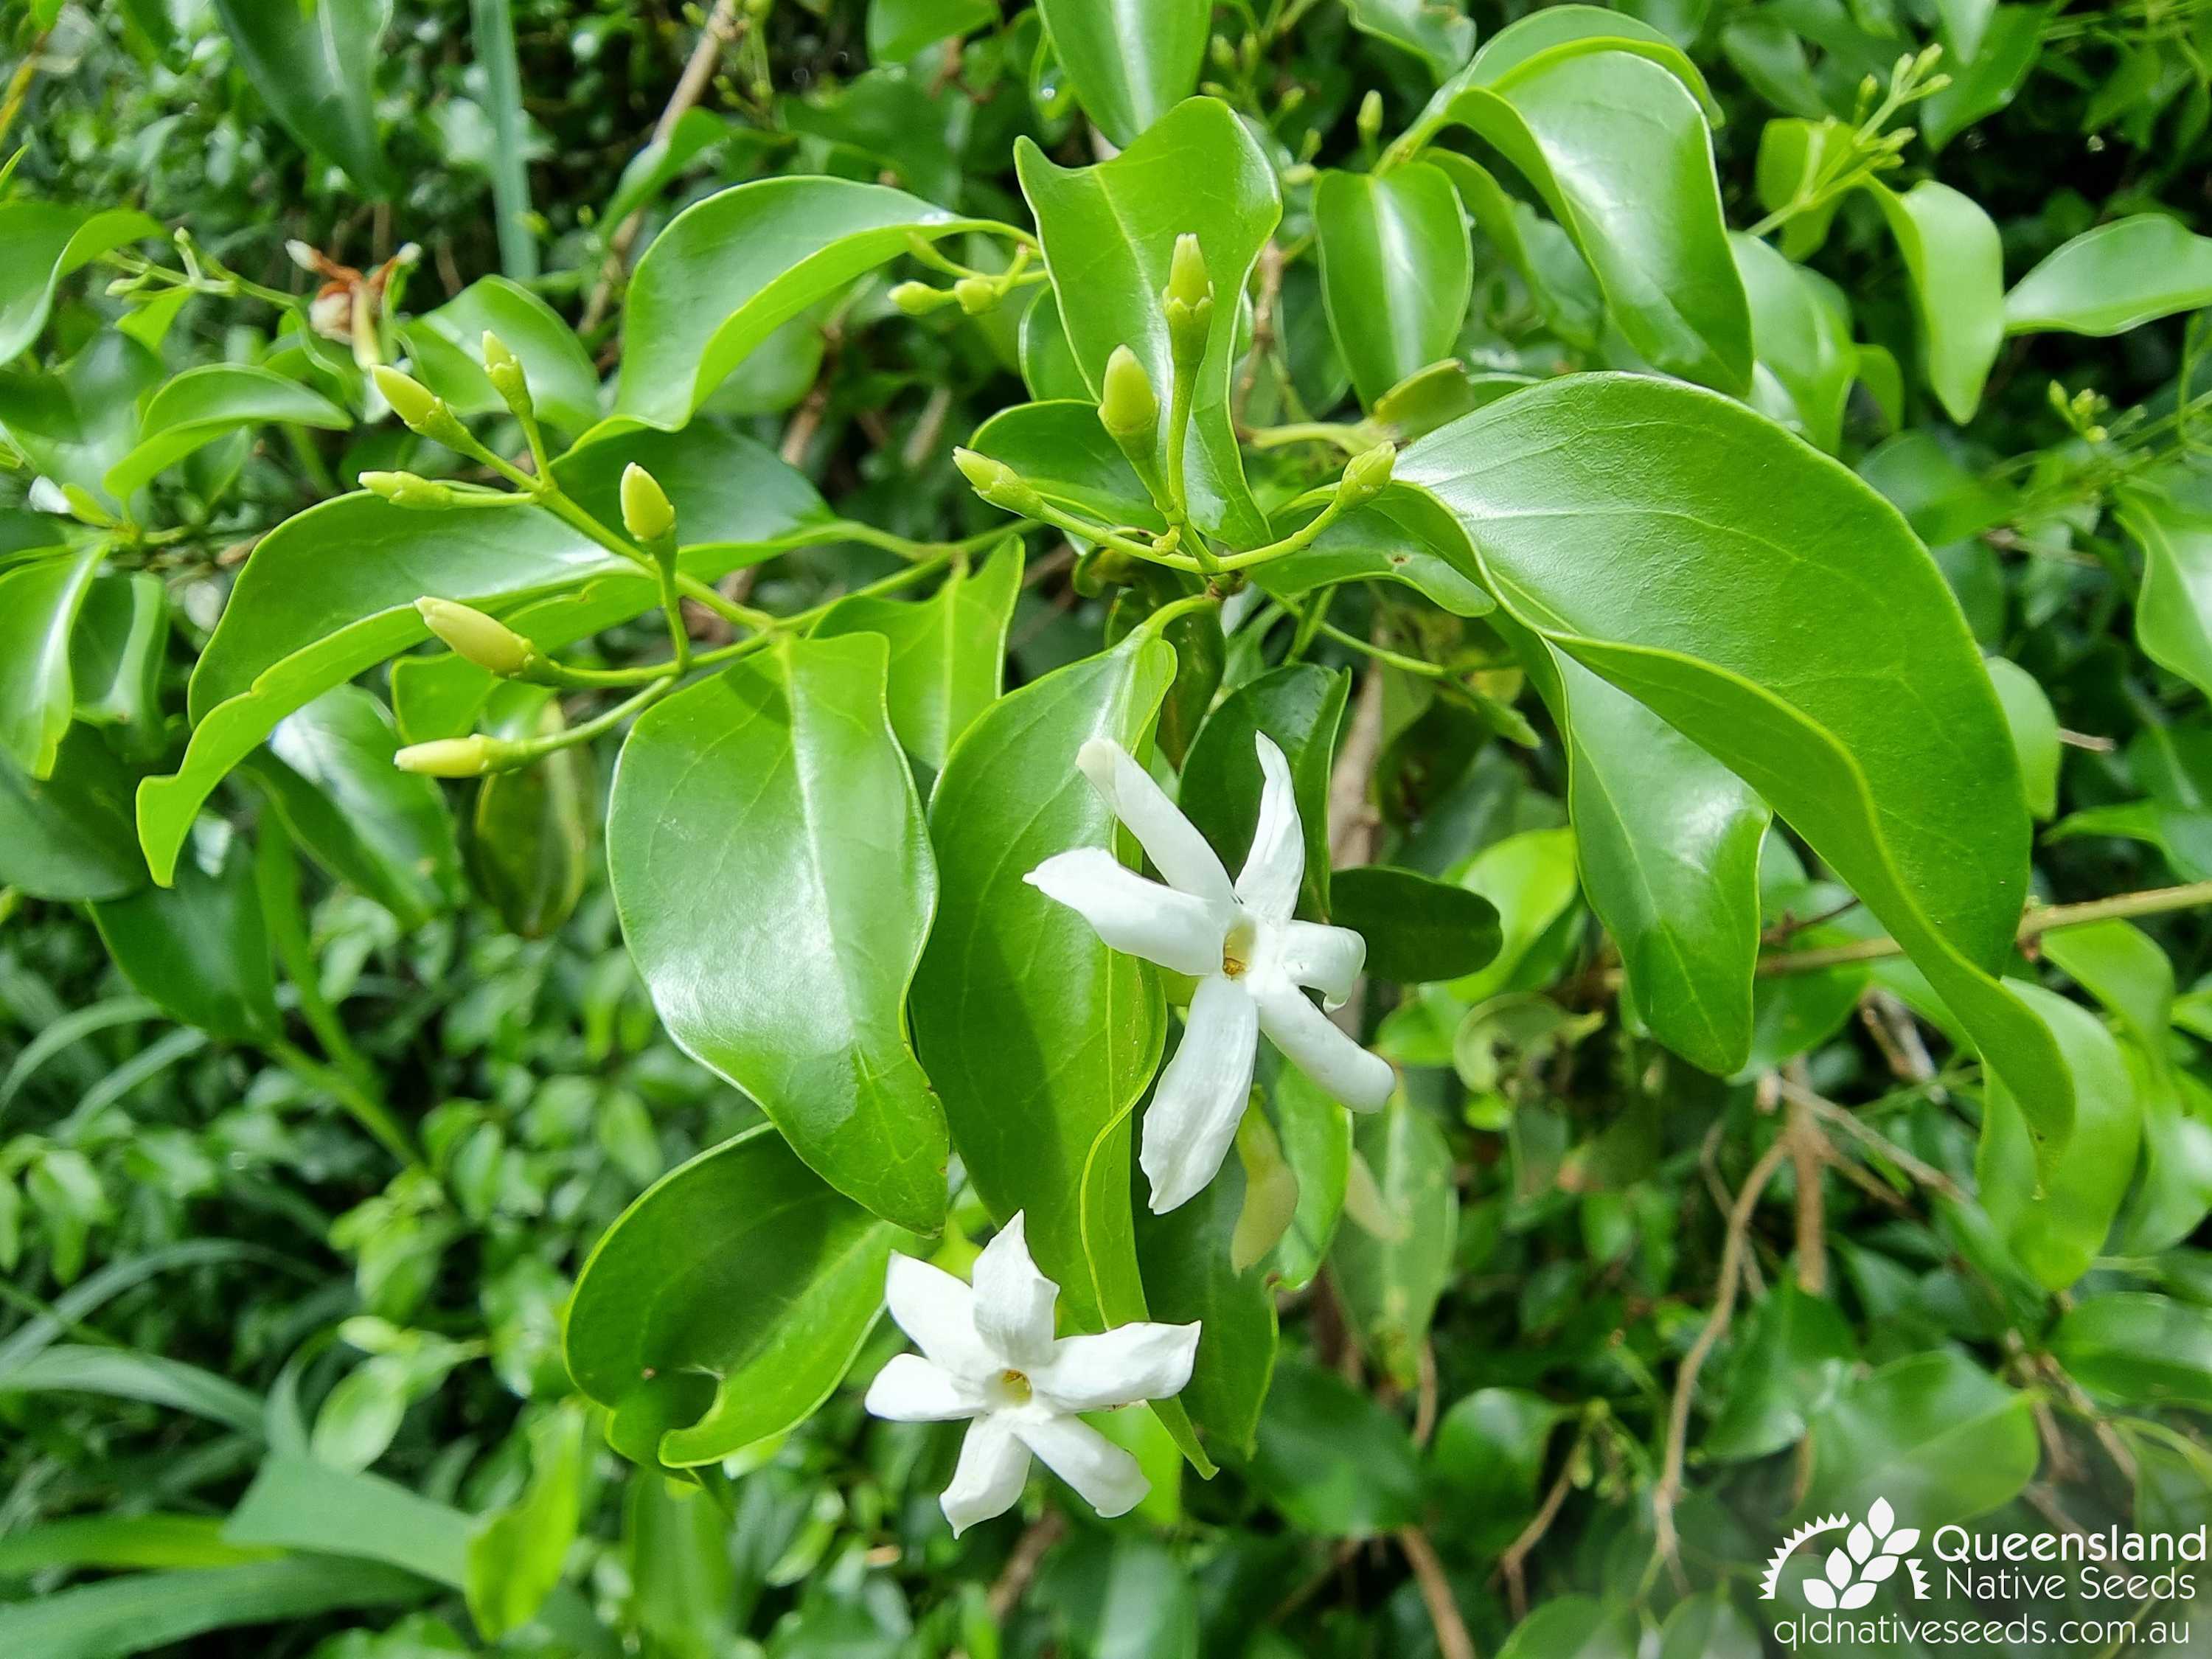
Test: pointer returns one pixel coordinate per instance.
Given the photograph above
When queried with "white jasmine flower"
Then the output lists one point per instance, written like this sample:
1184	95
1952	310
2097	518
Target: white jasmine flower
1240	942
988	1356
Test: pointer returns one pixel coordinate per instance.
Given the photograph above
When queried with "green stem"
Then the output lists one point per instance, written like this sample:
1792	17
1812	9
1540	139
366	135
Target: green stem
1346	437
1395	659
1301	536
1155	624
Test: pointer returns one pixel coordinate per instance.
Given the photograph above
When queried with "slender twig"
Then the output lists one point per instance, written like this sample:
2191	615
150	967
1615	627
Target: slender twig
1880	1144
1029	1552
1512	1565
1452	1640
1668	1491
2043	918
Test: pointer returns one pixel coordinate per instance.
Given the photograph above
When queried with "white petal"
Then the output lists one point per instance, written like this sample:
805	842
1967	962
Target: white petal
1126	1365
1328	959
1013	1300
910	1389
992	1465
938	1311
1177	851
1201	1095
1361	1080
1107	1477
1268	883
1132	914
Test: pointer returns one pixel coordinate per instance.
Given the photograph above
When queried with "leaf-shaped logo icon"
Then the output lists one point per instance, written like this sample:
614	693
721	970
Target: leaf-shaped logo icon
1820	1594
1856	1596
1880	1518
1875	1571
1839	1569
1902	1541
1860	1543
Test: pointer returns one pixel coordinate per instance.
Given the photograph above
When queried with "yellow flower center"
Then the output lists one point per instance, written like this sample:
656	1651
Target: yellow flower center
1237	950
1016	1385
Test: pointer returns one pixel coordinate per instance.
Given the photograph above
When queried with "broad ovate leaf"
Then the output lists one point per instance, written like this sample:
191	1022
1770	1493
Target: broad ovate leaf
774	882
203	403
725	1304
42	242
315	65
729	270
39	605
2114	278
1955	265
1395	270
1038	1038
1109	233
447	346
1764	602
1130	61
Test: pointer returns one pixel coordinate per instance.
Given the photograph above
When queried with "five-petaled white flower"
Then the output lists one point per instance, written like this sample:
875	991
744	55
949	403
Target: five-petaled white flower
1238	941
988	1355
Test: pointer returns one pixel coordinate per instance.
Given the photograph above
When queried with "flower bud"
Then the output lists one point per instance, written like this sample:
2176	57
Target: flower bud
488	643
1186	278
1365	475
647	512
408	489
1271	1192
505	371
976	294
449	757
419	409
919	299
1128	409
1187	302
998	483
1369	124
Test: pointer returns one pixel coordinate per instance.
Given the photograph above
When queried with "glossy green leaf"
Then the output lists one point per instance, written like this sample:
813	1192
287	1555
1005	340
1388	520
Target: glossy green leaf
1956	270
1439	34
726	1303
330	776
314	65
1300	706
1200	651
1709	1627
1061	448
70	836
115	1616
897	29
2034	729
1390	1285
2055	1221
1185	1257
2115	277
1558	279
1567	30
76	422
1771	652
1048	365
1314	1134
728	271
1530	880
1109	231
1331	1459
117	651
447	346
122	1540
1935	1435
1964	23
1395	270
2169	514
331	590
39	606
1402	538
529	833
947	654
1488	1460
1802	332
1793	154
516	1554
1790	1357
201	947
784	966
1619	149
2139	1349
1416	929
41	243
1574	1627
205	403
1037	1037
1668	839
1130	61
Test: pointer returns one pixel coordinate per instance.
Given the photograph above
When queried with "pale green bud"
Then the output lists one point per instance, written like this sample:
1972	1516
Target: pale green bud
1369	121
919	299
408	489
1186	278
1365	475
1129	409
419	409
647	512
505	371
998	483
488	643
449	757
976	294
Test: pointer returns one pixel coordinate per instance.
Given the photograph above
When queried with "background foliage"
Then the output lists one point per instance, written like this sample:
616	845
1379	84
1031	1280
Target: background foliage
301	1157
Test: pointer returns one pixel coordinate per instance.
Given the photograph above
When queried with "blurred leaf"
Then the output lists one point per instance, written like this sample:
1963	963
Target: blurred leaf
200	948
314	63
2138	1349
38	607
1131	61
1935	1435
1331	1460
205	403
1416	929
1396	269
